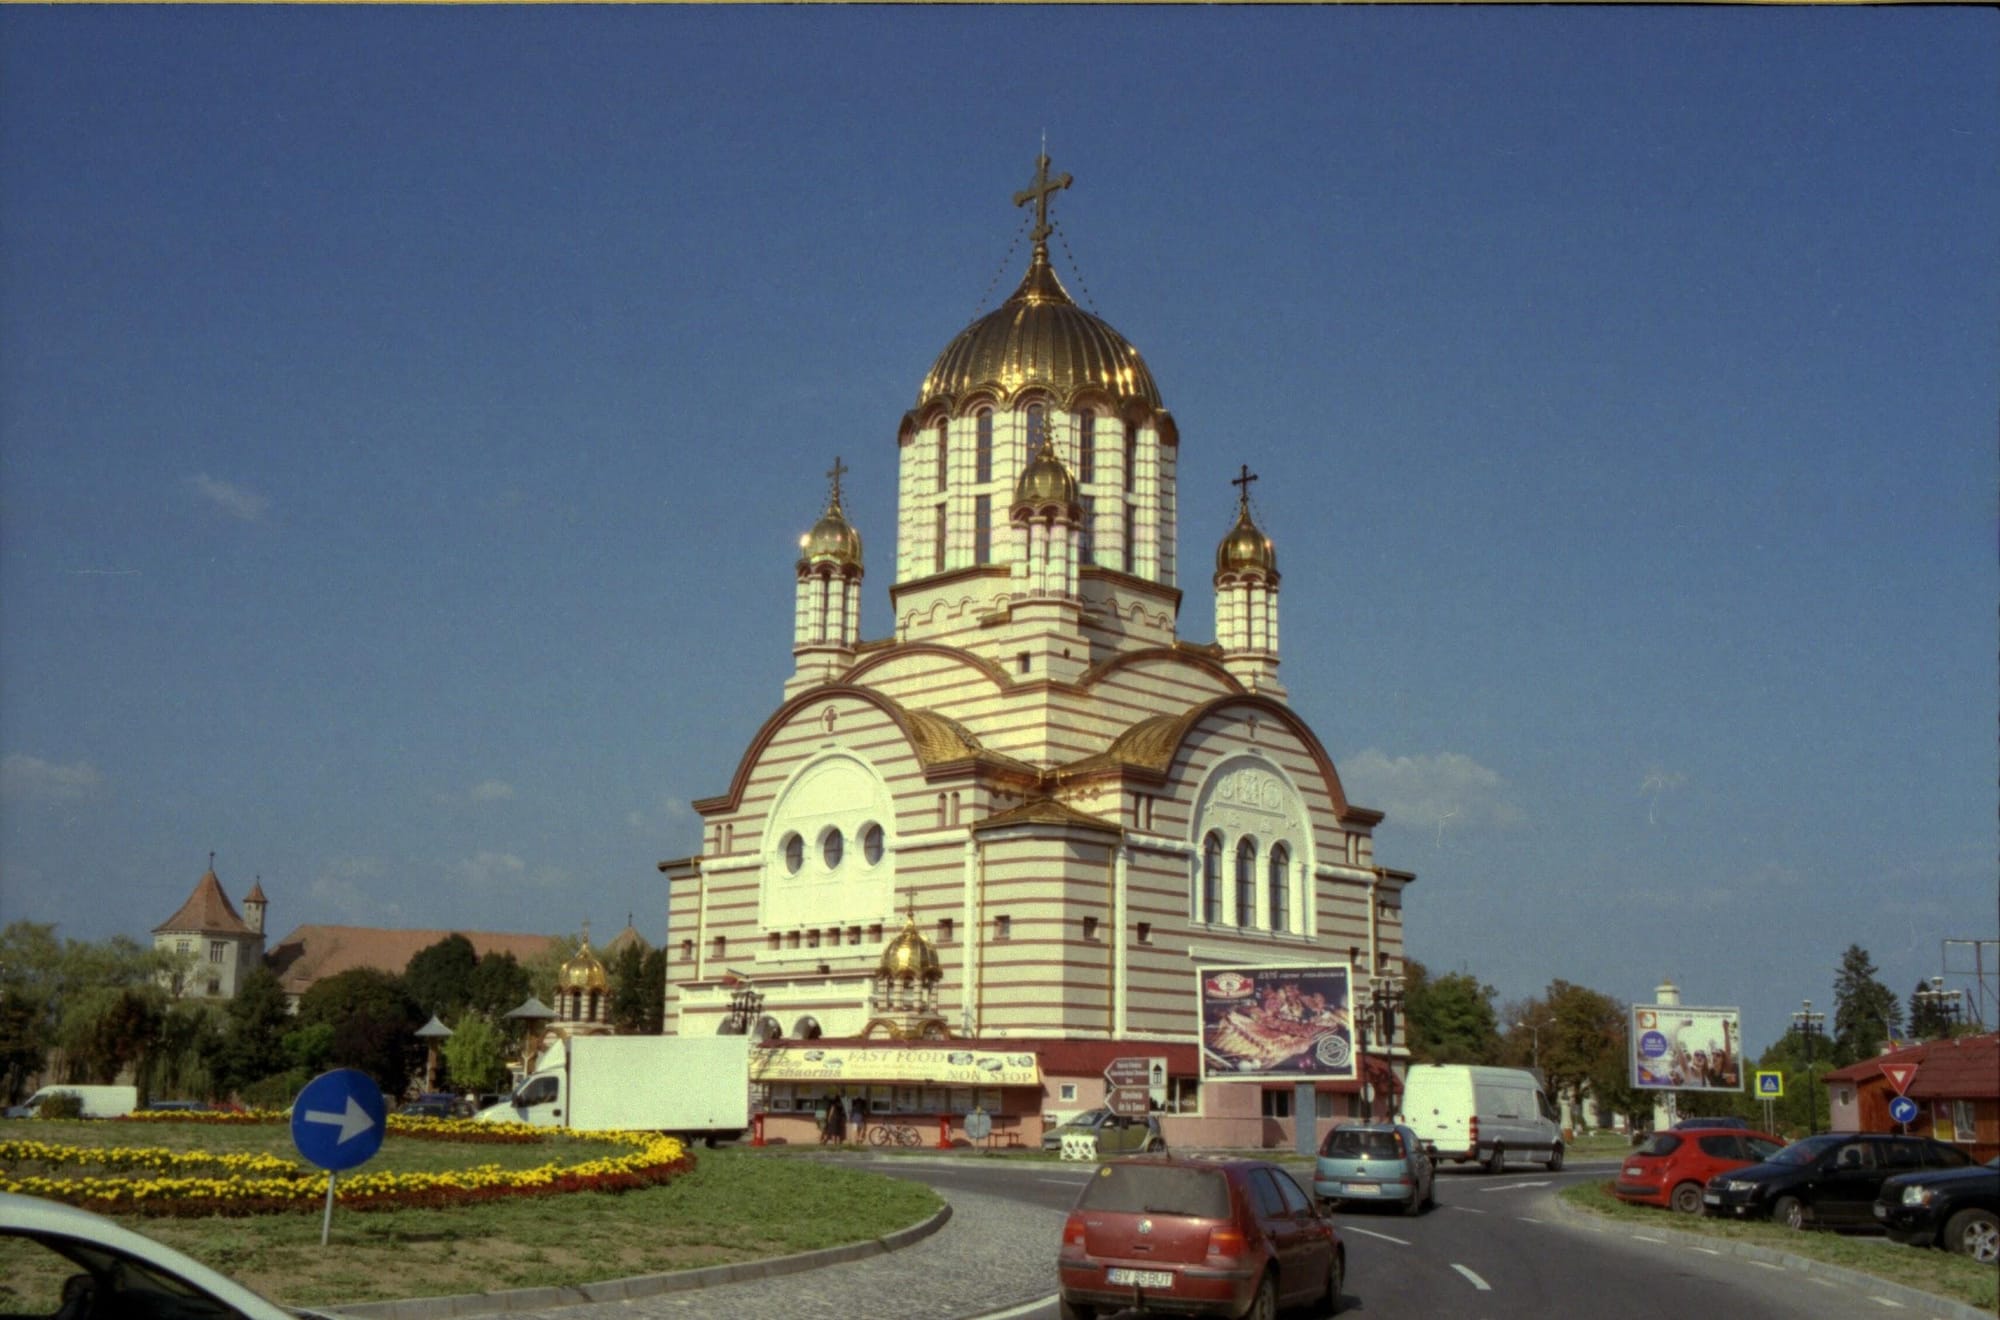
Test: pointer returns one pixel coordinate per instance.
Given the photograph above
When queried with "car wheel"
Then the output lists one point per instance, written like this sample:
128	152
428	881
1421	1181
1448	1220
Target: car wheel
1497	1161
1976	1233
1555	1157
1329	1204
1336	1279
1265	1307
1789	1211
1155	1146
1687	1198
1415	1205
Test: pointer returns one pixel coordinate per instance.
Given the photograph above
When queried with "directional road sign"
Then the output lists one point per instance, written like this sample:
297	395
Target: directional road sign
1770	1085
1899	1075
1902	1110
1126	1072
338	1120
1126	1101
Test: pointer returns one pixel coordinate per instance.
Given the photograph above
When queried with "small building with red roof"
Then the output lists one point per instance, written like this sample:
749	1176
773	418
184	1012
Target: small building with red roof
215	946
1954	1082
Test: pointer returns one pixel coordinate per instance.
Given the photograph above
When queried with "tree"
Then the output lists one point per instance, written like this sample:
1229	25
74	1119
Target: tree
440	977
251	1047
545	968
120	1033
1585	1049
653	979
499	985
475	1058
1450	1018
1865	1011
180	1064
374	1023
628	991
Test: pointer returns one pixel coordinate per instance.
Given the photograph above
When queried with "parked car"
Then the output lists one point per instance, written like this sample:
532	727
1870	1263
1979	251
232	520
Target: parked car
1957	1209
1376	1163
1197	1237
58	1260
1673	1166
1115	1135
1713	1121
1830	1179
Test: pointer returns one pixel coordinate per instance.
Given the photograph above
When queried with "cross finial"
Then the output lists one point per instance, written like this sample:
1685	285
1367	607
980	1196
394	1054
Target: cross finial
586	932
1242	483
835	473
211	859
1038	192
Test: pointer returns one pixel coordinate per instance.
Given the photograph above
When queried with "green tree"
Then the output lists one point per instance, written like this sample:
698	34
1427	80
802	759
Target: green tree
475	1057
374	1023
1865	1011
499	985
440	977
179	1065
120	1033
251	1047
653	981
1804	1107
1585	1050
628	991
1929	1019
1450	1017
546	967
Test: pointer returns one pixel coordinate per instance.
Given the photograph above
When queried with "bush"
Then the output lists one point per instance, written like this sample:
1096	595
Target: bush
62	1104
276	1091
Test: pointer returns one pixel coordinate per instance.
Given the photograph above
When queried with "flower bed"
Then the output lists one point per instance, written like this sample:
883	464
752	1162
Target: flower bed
198	1183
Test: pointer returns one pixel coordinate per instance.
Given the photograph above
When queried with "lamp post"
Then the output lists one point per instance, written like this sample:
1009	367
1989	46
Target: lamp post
1949	1004
431	1033
1535	1042
1385	999
1810	1024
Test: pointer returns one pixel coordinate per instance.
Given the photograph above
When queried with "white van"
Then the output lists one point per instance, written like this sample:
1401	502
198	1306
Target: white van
1467	1113
98	1101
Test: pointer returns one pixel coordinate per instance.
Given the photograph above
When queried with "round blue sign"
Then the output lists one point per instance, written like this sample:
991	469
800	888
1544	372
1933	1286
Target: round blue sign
1902	1109
339	1118
1652	1045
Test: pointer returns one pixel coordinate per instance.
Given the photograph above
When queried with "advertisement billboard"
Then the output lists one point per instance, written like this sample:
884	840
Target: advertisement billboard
1686	1049
1291	1023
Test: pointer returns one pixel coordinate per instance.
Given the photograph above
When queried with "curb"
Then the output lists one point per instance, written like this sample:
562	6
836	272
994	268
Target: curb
1869	1284
638	1286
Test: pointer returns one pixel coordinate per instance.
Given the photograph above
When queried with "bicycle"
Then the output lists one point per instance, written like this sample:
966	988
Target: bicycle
893	1134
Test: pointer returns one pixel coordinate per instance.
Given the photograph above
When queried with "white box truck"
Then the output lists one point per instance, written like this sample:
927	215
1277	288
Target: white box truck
692	1086
1464	1113
98	1101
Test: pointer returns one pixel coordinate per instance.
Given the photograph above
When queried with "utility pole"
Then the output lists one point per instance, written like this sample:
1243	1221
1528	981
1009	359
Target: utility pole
1809	1024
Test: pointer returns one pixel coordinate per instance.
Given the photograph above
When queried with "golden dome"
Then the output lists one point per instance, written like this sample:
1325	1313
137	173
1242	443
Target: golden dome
1245	549
833	539
583	972
1046	480
910	957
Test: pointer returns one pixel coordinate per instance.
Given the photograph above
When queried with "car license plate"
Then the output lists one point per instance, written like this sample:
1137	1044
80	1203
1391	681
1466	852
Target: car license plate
1358	1189
1711	1198
1141	1278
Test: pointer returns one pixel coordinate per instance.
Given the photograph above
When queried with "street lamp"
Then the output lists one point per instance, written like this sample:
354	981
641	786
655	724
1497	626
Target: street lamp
1809	1024
1385	999
1535	1041
1950	1004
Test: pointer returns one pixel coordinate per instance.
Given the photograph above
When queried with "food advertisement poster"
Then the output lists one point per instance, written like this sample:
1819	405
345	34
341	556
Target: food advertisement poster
1276	1022
1686	1049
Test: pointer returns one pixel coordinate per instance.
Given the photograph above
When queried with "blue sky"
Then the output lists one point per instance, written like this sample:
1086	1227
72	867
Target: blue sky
408	416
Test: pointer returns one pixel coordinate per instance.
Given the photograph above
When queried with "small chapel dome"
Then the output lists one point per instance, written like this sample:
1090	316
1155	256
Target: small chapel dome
910	957
1046	480
583	972
832	540
1246	549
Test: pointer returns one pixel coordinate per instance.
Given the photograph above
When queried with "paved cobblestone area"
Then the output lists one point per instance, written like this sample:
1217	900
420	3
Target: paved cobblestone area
992	1255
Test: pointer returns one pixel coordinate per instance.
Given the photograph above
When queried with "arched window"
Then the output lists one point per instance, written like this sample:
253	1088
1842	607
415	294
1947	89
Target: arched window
1086	446
943	454
1281	887
1037	427
982	446
1211	879
1246	882
1131	456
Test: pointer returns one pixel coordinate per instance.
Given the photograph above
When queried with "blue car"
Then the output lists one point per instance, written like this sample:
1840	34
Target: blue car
1373	1164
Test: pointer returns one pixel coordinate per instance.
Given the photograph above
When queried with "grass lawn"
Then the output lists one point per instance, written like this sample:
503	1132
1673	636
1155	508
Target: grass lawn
734	1205
1941	1273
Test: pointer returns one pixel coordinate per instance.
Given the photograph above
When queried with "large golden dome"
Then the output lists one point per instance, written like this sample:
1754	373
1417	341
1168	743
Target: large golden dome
910	957
1246	549
583	972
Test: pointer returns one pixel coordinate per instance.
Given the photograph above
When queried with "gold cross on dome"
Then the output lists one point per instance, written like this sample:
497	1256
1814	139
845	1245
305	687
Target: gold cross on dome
1243	481
836	472
1038	192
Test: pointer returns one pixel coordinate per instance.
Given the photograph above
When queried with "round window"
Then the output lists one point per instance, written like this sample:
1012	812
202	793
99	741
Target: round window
795	853
830	849
871	844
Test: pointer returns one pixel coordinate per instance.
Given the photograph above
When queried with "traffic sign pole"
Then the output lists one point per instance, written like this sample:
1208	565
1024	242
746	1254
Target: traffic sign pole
326	1224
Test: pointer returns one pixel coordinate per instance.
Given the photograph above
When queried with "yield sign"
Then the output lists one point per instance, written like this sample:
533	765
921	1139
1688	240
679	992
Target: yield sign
1899	1075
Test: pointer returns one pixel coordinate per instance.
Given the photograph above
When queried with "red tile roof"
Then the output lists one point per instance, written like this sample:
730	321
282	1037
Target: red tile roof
1963	1068
207	911
313	953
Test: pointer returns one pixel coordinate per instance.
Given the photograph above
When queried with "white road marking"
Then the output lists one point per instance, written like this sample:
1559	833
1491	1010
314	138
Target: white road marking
1528	1219
1824	1283
1641	1237
1065	1182
1025	1308
1345	1229
1765	1265
1887	1302
1711	1251
1464	1209
1515	1187
1477	1282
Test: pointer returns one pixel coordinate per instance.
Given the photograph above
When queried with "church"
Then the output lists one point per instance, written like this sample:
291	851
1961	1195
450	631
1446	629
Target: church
1030	818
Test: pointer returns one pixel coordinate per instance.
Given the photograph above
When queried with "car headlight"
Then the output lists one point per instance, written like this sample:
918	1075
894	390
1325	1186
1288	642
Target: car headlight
1739	1185
1919	1195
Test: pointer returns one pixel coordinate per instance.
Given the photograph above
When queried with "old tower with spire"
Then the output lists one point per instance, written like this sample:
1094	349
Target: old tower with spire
1070	805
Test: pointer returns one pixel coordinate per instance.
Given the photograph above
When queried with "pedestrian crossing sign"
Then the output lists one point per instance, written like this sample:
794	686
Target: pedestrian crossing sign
1771	1085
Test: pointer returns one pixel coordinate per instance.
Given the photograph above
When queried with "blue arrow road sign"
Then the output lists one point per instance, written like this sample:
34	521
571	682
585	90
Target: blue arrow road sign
338	1119
1902	1109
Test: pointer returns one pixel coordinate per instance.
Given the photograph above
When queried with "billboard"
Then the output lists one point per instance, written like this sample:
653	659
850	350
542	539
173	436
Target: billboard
1289	1023
1686	1049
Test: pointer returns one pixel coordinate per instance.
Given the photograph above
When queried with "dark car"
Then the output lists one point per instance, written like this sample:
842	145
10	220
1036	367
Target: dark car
1378	1163
1672	1167
1957	1209
1197	1237
1830	1179
1713	1122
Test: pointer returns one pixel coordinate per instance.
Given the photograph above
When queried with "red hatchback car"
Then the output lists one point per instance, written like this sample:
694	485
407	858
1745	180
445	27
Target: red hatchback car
1671	1169
1197	1237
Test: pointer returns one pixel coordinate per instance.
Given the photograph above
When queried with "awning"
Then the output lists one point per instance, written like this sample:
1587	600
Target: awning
893	1063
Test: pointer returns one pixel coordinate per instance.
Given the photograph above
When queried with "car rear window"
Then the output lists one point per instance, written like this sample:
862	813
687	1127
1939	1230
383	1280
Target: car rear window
1160	1189
1354	1144
1663	1143
1723	1148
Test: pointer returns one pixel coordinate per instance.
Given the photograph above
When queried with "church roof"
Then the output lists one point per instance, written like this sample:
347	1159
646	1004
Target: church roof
207	911
313	953
1245	549
832	540
1046	811
628	936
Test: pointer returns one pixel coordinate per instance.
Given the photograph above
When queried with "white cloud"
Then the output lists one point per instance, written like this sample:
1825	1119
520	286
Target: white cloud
1444	792
669	815
502	873
492	790
349	889
239	502
31	779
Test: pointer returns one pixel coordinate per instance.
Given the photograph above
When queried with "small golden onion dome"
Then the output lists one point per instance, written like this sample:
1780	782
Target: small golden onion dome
1245	549
583	972
832	540
1039	336
1046	480
910	957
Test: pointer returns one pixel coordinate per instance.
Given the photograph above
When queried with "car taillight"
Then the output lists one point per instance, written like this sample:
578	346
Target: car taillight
1073	1231
1226	1241
1472	1131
